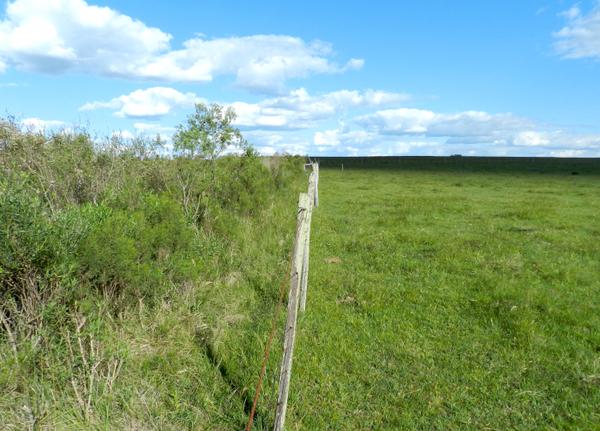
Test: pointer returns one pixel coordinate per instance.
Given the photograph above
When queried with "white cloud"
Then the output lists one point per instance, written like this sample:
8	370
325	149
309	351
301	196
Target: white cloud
259	62
403	131
580	37
71	35
571	141
573	153
468	126
299	123
152	102
38	125
55	36
269	142
299	109
343	136
123	134
571	13
532	139
153	128
344	139
296	110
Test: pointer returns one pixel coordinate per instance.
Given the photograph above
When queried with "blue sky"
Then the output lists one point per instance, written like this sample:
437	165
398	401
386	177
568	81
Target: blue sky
366	78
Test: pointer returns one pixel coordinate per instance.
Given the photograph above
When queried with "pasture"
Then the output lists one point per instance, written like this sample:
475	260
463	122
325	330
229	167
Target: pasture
444	297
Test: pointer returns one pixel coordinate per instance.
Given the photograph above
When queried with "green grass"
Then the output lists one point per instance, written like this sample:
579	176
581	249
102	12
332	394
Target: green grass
188	362
445	293
459	301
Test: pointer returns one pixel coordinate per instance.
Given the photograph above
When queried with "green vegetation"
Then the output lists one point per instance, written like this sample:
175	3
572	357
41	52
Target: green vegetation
137	290
129	281
443	299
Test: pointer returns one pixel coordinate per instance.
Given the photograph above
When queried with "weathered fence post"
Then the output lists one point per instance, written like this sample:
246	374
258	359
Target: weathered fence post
290	326
312	182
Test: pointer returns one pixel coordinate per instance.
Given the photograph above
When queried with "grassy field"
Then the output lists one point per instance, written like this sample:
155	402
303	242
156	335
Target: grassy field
443	299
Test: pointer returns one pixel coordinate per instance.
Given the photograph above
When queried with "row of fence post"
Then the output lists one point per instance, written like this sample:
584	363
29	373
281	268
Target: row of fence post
298	288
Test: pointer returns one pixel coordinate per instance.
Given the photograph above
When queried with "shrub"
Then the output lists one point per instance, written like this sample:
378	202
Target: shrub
136	252
26	240
244	183
285	169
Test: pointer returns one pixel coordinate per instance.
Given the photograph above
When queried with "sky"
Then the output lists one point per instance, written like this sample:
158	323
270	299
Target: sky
499	78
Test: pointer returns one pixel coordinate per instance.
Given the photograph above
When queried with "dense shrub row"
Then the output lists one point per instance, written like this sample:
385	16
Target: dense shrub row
114	255
118	218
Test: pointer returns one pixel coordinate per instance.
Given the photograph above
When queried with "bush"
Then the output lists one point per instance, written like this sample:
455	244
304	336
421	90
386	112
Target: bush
26	239
138	252
123	218
285	169
244	183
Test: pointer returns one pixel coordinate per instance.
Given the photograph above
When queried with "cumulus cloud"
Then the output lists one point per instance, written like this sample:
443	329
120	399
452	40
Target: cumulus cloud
296	110
54	36
300	122
299	109
152	102
580	37
71	35
259	62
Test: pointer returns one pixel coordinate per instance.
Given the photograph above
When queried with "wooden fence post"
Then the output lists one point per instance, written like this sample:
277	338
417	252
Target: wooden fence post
316	170
290	326
304	277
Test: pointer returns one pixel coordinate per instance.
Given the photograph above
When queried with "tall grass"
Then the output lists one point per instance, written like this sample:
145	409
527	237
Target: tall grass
127	280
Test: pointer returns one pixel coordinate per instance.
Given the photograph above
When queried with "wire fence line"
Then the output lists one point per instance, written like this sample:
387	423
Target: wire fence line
299	266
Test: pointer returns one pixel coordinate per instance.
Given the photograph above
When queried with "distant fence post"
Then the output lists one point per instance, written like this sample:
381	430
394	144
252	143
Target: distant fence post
316	171
290	326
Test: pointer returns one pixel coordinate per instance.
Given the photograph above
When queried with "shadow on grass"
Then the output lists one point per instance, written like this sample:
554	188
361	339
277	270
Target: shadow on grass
260	421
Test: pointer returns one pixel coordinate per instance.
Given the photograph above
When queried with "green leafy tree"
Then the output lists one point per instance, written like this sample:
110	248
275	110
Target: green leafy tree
208	132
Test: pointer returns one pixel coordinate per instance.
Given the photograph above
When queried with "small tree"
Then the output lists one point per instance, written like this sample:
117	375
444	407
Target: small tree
208	132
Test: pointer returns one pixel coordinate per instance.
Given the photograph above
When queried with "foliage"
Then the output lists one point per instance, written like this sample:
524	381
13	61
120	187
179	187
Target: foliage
109	248
208	132
26	240
135	250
